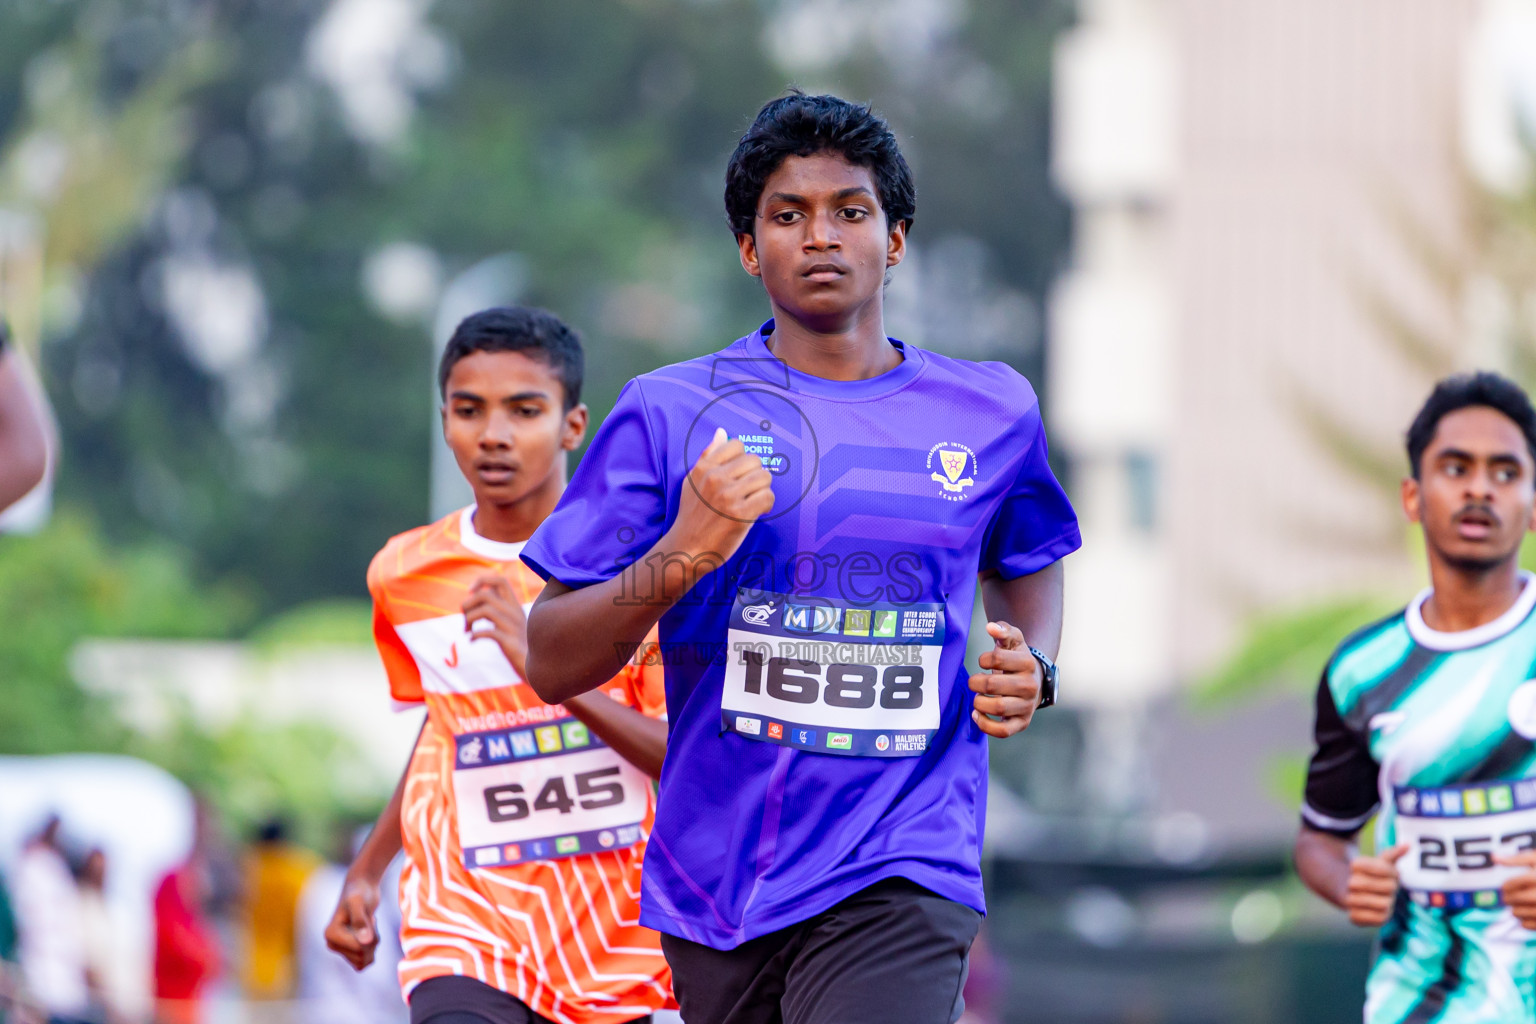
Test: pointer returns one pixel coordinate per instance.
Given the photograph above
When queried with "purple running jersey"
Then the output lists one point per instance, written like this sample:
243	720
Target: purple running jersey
820	723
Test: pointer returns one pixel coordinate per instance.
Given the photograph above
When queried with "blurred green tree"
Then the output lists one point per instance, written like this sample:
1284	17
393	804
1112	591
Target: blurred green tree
66	584
248	370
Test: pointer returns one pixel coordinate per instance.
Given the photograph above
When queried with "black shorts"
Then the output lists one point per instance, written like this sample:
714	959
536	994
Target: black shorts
894	953
452	999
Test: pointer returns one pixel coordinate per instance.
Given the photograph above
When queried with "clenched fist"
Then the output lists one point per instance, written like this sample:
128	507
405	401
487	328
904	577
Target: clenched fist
492	601
352	932
727	491
1008	689
1520	891
1372	889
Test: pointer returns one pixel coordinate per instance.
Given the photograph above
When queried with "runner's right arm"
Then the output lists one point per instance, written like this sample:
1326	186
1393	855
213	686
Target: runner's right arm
1365	887
578	639
23	435
1340	798
352	931
638	738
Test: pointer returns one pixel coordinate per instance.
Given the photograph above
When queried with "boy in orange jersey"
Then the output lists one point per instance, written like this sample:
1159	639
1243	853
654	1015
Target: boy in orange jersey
524	824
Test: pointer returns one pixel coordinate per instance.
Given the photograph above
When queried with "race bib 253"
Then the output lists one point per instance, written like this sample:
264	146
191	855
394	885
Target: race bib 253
1454	833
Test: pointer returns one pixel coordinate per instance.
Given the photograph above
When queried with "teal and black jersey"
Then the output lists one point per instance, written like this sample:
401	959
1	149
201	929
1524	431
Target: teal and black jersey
1435	734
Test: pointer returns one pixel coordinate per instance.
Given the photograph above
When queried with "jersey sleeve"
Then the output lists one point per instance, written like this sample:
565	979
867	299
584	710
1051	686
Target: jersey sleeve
1341	778
615	507
1035	524
399	664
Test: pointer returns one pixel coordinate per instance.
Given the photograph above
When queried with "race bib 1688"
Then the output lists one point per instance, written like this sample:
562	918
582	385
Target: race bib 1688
808	673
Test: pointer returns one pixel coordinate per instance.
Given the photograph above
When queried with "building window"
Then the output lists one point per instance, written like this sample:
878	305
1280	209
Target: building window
1141	490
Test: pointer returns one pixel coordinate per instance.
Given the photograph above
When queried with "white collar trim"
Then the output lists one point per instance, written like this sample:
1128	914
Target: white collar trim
1436	640
500	550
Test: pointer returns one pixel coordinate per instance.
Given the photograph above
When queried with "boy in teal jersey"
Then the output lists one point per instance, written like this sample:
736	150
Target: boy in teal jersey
1427	721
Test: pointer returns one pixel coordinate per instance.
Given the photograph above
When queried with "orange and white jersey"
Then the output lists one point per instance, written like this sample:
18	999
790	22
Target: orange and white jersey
523	832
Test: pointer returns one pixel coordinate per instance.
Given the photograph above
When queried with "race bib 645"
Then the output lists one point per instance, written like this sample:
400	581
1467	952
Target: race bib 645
544	792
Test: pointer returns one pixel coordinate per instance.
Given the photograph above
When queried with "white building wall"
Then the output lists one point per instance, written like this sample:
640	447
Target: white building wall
1115	156
1250	180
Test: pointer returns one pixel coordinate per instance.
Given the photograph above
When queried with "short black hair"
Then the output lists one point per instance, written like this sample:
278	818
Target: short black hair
537	332
799	125
1483	388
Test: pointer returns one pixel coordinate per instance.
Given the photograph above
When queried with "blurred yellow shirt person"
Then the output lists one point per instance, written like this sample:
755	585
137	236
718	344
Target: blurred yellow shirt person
275	873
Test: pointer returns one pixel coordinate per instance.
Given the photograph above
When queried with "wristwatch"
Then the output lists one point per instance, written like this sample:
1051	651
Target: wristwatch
1048	678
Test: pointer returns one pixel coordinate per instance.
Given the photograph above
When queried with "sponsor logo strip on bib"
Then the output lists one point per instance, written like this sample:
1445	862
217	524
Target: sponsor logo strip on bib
544	791
808	673
1454	833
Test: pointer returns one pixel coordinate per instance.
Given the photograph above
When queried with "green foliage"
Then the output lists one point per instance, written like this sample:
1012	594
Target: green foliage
116	148
316	624
64	584
249	771
590	137
1289	649
1286	778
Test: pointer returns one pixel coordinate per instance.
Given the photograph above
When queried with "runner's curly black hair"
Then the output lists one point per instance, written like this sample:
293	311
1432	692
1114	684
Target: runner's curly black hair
1460	392
799	125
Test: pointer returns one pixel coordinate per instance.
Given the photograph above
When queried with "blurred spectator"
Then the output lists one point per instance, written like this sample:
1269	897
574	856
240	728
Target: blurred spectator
330	990
52	939
275	873
186	952
104	960
23	428
8	973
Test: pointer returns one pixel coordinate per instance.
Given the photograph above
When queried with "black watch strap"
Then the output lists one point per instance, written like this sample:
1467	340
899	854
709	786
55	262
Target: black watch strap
1048	678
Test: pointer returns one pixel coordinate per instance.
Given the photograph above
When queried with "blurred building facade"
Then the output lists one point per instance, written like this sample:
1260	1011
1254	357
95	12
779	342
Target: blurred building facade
1252	184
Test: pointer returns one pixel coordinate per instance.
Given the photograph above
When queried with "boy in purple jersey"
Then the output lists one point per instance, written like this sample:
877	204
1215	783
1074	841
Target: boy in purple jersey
805	514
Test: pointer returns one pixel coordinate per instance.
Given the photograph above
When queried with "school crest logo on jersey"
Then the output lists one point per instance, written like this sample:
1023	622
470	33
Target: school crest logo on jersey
952	466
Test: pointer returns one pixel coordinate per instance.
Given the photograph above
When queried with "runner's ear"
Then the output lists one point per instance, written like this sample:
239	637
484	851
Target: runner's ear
575	427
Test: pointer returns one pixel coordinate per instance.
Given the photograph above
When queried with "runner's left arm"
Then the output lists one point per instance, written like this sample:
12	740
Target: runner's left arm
1021	612
352	931
1022	579
637	738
